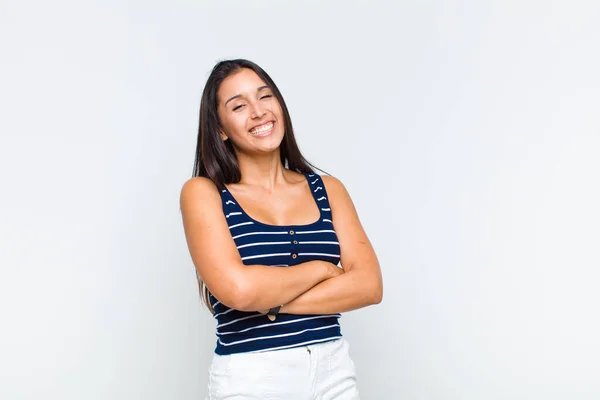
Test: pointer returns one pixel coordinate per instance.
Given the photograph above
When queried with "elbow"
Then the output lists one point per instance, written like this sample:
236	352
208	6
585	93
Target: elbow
377	297
242	298
236	292
377	293
234	296
371	291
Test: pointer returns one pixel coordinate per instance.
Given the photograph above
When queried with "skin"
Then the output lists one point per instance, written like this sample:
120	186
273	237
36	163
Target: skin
273	195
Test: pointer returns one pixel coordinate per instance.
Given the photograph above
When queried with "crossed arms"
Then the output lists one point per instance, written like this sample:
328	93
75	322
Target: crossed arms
314	287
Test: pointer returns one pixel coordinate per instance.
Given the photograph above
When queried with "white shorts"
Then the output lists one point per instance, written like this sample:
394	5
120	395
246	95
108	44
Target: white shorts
322	371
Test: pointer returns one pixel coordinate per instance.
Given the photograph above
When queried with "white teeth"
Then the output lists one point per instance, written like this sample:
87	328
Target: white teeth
262	129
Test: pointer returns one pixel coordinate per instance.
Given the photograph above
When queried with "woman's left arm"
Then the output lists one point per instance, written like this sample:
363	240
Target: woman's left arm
361	283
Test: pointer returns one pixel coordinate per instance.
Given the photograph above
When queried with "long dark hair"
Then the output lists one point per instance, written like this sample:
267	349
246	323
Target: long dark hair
215	158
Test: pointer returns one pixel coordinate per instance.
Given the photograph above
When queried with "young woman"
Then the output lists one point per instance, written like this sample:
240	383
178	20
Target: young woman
266	234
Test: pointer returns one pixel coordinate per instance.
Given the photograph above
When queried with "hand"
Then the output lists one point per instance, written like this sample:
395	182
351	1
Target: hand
333	270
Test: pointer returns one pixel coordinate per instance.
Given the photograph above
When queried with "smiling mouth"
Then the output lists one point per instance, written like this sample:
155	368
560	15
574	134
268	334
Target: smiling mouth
263	129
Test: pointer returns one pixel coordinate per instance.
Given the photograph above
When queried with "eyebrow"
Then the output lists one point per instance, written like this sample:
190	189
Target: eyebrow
239	95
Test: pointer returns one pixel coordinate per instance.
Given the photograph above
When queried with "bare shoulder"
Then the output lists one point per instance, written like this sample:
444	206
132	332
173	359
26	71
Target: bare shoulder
199	190
334	186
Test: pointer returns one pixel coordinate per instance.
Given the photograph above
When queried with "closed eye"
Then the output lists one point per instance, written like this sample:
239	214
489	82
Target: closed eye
238	107
266	96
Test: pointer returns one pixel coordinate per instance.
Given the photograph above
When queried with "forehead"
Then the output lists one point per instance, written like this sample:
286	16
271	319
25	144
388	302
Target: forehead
244	82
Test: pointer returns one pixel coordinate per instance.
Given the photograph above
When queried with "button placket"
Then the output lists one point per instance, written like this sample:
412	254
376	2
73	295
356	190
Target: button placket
295	242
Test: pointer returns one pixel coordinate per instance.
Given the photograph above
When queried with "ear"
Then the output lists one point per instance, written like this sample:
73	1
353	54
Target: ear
223	135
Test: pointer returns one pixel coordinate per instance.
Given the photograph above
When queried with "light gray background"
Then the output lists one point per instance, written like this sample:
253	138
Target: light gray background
466	132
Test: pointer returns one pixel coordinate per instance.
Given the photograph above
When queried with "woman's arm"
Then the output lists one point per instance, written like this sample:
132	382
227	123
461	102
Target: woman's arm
218	262
361	285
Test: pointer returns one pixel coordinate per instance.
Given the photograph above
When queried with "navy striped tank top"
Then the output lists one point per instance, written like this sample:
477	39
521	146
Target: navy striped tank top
277	246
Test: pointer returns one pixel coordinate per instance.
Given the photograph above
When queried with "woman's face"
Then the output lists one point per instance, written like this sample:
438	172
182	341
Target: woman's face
250	114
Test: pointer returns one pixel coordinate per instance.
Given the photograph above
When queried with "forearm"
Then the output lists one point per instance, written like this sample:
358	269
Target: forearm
264	287
349	291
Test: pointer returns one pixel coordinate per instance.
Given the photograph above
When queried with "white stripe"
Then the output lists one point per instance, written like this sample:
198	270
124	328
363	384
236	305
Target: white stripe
281	335
260	233
217	303
242	224
321	198
265	255
239	319
229	202
312	175
326	209
327	220
318	242
252	316
280	265
276	323
223	313
261	244
319	188
316	180
223	190
233	213
318	254
325	230
297	345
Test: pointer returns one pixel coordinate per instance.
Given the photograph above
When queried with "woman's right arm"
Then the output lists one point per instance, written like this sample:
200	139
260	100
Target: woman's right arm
218	262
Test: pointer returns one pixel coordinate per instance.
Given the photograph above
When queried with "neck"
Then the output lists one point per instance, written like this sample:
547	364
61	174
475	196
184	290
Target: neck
265	171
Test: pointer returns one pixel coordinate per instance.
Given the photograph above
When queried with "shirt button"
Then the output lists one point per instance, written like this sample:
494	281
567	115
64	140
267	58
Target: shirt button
291	232
295	242
294	256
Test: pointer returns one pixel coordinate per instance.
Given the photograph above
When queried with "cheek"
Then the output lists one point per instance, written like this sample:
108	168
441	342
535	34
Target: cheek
276	110
234	124
240	125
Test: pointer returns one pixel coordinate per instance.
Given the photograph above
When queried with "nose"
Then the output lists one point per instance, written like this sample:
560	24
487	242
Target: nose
257	111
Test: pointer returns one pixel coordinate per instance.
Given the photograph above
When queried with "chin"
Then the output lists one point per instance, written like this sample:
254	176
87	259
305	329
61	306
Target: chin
272	146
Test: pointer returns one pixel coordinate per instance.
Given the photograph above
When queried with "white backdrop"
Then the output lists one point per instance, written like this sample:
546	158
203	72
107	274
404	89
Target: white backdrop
466	132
